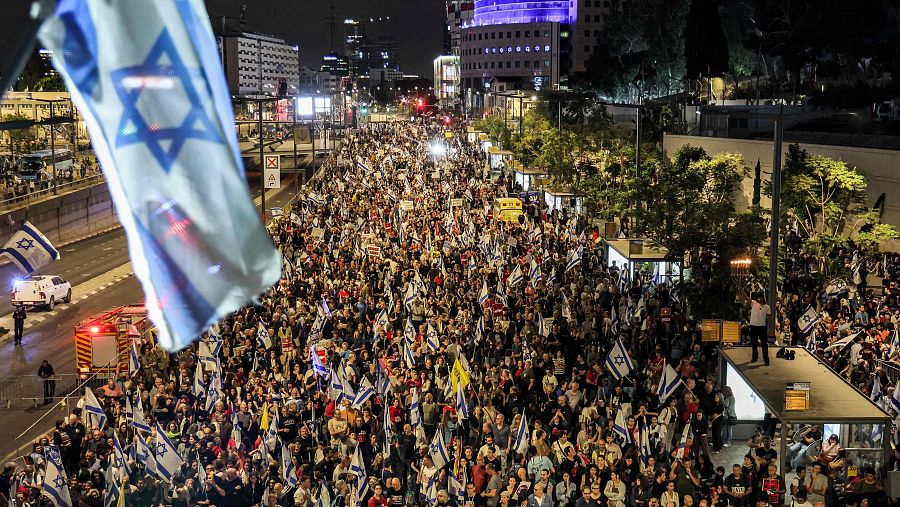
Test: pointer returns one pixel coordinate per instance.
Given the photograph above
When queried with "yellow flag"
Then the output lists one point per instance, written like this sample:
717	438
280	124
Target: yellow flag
459	374
264	422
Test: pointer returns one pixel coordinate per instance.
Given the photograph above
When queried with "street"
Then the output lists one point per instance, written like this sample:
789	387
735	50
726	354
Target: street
98	269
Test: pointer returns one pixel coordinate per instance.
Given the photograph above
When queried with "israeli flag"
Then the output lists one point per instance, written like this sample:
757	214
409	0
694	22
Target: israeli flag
409	332
324	496
573	259
875	395
431	338
148	79
111	495
522	437
95	414
199	387
262	336
462	408
166	455
668	383
276	212
438	451
682	444
484	294
358	468
29	249
408	357
318	367
138	420
516	277
617	362
454	487
895	344
410	294
382	382
236	432
288	471
382	320
119	458
552	278
534	272
144	456
843	342
325	307
415	416
620	429
134	362
366	391
472	264
55	483
807	320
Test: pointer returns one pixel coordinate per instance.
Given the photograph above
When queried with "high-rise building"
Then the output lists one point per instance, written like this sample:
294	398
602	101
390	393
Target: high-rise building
446	80
459	13
336	64
259	64
523	45
354	42
383	53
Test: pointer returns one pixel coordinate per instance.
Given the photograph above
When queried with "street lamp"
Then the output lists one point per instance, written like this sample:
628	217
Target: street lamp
53	137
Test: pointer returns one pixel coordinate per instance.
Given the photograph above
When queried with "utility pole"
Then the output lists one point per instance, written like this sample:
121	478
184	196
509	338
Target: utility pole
776	215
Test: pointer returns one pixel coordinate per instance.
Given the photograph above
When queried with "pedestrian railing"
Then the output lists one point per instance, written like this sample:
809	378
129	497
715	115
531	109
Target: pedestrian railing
891	369
38	195
10	389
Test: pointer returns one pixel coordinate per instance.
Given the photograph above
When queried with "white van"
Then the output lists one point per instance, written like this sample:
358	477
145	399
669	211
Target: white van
42	290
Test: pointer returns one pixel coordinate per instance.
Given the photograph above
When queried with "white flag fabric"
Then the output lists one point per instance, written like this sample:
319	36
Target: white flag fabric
668	383
807	320
29	249
843	342
438	451
522	437
288	471
55	483
94	410
358	468
618	363
166	455
148	79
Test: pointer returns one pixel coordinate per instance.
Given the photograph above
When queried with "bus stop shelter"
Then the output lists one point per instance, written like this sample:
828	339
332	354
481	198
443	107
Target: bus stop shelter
833	404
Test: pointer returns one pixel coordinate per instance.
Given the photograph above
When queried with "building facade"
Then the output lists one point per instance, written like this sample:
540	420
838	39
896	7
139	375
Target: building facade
354	46
525	45
259	64
446	81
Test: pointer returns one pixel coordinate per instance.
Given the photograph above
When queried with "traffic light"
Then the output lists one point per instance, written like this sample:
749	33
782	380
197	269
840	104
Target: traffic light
420	103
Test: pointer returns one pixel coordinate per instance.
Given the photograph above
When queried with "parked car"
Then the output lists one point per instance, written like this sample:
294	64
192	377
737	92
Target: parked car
42	290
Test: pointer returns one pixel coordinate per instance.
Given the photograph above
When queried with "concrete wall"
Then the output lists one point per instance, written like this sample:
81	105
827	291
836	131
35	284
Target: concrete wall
882	167
66	217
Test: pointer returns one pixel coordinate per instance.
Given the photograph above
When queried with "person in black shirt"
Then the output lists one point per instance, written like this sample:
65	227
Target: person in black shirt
19	324
46	372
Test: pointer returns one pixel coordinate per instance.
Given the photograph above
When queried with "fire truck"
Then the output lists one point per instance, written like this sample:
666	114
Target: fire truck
103	341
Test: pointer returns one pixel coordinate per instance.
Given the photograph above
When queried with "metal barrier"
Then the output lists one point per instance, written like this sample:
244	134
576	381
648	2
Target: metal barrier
891	369
10	389
48	192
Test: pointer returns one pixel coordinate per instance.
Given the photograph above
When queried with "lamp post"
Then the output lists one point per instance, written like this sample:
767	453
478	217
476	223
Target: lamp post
52	137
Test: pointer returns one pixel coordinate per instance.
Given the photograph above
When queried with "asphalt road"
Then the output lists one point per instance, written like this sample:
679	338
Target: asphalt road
52	338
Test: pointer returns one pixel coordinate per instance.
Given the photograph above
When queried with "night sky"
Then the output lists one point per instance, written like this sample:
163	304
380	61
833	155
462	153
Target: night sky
417	25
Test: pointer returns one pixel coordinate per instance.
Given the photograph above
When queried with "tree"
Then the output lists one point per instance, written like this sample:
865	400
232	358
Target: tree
16	139
825	198
496	128
690	209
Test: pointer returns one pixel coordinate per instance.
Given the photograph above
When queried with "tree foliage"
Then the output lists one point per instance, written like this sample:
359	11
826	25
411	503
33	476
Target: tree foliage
825	198
16	139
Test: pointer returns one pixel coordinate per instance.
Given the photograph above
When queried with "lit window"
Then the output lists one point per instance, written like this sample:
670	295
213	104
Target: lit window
501	51
547	48
537	49
509	49
518	49
527	49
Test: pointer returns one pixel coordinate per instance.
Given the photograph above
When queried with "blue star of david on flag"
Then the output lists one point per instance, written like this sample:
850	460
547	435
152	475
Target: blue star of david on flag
617	362
161	69
25	244
149	82
160	450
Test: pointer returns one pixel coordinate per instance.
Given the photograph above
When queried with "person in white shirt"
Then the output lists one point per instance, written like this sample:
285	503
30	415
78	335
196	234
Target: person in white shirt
759	316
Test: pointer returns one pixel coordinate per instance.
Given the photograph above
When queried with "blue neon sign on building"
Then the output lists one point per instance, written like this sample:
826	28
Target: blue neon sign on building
497	12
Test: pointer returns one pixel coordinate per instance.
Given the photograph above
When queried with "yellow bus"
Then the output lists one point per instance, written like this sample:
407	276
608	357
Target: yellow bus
508	209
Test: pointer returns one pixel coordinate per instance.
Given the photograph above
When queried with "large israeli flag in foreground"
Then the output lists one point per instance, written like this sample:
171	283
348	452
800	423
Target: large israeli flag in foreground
147	77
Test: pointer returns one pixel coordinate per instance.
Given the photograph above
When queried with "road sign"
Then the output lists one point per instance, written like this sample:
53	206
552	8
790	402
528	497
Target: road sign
272	171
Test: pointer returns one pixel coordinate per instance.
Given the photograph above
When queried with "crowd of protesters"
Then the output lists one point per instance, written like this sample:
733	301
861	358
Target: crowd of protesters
411	335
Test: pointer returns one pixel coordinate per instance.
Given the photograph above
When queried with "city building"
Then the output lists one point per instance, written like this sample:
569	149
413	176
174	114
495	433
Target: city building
34	106
517	45
335	64
459	13
259	64
383	53
446	81
354	42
